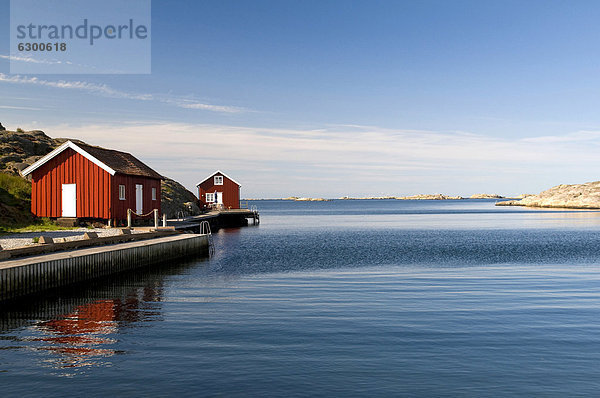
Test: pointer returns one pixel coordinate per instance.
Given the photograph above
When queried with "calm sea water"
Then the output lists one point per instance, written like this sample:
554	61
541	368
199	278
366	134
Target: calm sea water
341	298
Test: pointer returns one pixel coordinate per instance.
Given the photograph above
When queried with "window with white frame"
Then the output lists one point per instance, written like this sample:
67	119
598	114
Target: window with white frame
121	192
210	197
153	193
218	180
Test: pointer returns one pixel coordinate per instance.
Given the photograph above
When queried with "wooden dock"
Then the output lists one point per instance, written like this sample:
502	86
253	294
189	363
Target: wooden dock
217	219
34	274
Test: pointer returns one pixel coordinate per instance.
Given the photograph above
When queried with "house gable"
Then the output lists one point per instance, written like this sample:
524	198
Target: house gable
61	149
221	173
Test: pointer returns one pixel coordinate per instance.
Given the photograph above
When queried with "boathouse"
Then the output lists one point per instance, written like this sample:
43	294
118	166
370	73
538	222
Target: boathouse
82	181
219	190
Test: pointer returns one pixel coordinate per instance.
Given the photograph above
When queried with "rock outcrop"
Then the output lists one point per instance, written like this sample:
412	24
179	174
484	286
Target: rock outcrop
20	149
523	196
298	199
2	127
576	196
438	196
486	196
176	199
413	197
312	200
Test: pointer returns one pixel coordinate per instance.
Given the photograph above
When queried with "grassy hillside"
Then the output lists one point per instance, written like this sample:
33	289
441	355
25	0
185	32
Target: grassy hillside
15	207
15	202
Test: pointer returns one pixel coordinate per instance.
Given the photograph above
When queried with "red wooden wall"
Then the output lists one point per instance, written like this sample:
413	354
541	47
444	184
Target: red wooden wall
231	191
69	167
97	190
120	206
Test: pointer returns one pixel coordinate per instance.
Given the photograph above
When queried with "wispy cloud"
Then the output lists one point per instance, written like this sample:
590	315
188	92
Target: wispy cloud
30	60
27	108
207	107
574	137
347	160
107	91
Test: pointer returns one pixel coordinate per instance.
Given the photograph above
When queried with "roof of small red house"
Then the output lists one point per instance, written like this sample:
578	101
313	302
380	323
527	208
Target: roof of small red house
219	172
108	159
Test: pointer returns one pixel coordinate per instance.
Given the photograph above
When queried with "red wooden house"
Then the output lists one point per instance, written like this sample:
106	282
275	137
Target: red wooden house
84	181
219	189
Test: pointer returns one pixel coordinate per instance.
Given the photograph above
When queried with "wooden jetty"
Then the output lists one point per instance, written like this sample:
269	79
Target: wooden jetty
217	219
59	264
29	275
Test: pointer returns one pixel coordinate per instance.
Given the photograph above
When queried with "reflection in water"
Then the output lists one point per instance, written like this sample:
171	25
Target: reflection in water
80	326
76	338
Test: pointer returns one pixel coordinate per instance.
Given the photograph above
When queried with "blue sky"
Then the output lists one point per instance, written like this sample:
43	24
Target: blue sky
333	98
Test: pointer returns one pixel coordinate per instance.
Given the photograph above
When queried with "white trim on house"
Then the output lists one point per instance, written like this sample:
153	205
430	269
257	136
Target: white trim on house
62	148
219	172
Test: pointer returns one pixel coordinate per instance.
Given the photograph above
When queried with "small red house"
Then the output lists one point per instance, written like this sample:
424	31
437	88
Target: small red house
219	189
84	181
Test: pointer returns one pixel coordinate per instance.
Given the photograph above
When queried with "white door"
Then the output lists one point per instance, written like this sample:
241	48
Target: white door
69	200
219	198
139	198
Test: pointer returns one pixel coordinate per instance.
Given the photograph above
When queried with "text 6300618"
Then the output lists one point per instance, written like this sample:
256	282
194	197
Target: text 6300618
42	46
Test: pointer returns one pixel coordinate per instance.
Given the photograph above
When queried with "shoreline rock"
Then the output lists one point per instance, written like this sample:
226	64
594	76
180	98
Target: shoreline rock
486	196
438	196
297	199
574	196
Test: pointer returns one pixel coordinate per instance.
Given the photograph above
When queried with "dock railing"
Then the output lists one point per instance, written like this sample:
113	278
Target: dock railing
131	213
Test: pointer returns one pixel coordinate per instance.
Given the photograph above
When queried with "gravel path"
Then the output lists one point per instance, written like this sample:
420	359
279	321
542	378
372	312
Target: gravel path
23	239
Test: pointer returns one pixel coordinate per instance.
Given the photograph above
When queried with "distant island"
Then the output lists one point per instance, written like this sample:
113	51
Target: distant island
297	199
428	197
486	196
412	197
575	196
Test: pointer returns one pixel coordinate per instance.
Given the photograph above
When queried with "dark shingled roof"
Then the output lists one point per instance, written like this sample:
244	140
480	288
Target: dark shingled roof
121	162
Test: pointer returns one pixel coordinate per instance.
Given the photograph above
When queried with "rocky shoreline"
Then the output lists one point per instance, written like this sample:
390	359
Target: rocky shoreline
574	196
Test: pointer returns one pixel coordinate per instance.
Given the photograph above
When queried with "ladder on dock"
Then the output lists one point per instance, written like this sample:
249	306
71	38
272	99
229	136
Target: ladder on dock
205	230
255	215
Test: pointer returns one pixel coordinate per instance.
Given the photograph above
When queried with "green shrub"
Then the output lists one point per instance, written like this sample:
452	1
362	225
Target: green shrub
20	130
36	239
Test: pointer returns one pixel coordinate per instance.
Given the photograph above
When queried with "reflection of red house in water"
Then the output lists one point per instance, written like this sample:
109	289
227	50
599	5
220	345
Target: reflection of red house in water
83	336
219	190
77	335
